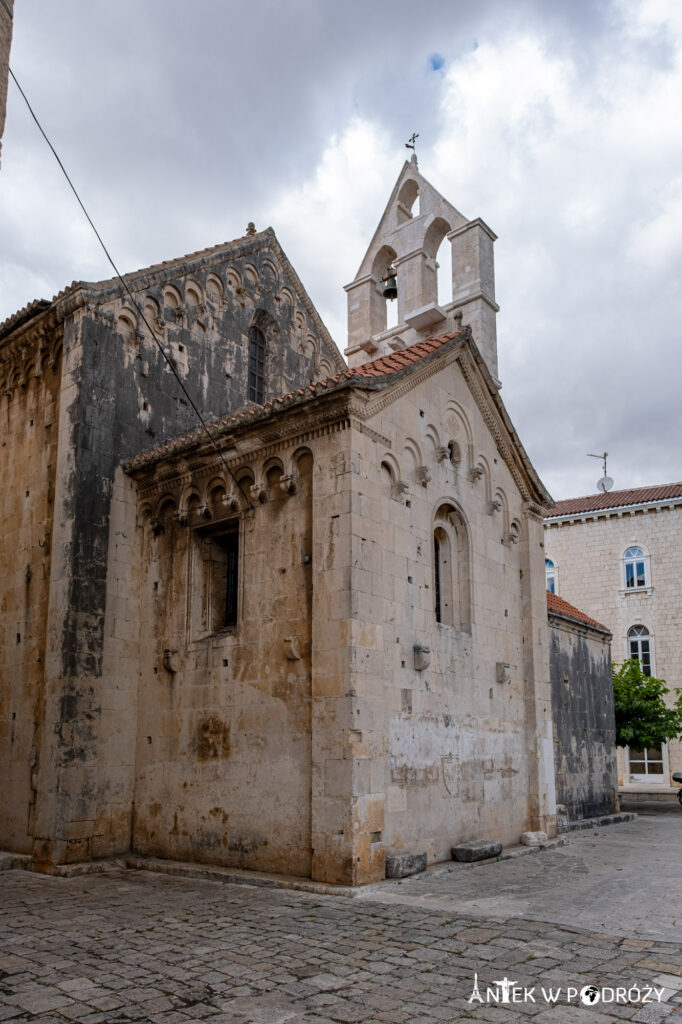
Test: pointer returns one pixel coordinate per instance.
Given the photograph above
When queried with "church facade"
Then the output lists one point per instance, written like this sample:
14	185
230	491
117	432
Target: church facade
319	638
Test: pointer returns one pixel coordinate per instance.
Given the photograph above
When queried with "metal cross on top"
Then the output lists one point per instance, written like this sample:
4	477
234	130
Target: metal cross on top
410	144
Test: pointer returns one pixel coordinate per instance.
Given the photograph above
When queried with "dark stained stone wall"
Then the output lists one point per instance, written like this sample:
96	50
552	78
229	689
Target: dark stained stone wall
584	725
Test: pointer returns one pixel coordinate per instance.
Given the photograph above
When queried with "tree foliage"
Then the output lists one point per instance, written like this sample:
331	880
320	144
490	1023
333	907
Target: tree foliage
643	719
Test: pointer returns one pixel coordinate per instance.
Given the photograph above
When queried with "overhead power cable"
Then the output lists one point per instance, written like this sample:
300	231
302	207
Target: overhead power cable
132	298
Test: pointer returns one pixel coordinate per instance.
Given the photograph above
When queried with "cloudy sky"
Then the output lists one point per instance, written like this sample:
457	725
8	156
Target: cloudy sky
556	121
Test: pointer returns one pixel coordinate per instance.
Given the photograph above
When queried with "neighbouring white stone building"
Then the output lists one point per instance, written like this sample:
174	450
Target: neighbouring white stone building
619	557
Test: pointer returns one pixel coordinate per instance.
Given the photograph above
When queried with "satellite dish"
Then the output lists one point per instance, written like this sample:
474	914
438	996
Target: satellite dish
605	484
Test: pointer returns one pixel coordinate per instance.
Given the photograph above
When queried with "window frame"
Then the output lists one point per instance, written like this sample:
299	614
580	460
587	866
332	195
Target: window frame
451	569
554	589
226	537
256	365
630	563
650	778
639	634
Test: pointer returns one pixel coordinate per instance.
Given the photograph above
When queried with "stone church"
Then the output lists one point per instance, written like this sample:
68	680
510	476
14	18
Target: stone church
313	640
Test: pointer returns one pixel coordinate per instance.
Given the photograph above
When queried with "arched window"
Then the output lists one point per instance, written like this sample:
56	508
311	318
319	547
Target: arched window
550	576
256	365
442	571
635	569
639	647
451	583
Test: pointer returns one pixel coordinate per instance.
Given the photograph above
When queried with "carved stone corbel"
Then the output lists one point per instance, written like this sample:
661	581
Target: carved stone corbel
259	493
423	474
291	648
170	660
475	473
494	506
399	489
288	485
442	453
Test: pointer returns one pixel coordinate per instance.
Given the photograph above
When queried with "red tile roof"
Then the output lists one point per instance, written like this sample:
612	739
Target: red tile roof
615	499
557	605
384	367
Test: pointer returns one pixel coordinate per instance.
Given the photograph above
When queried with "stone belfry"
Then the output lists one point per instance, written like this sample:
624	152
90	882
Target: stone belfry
408	241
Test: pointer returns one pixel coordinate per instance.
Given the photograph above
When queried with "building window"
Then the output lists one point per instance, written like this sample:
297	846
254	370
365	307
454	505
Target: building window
646	764
256	365
639	647
635	569
451	583
550	576
442	578
220	570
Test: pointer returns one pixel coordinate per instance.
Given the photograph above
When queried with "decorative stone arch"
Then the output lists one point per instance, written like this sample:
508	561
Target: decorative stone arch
408	195
451	566
190	498
233	280
127	325
296	456
194	296
215	290
172	304
458	422
215	486
166	508
326	369
500	507
285	296
412	448
270	275
433	436
251	277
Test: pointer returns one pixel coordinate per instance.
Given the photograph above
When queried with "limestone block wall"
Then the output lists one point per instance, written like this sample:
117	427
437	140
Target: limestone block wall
243	737
457	741
29	401
116	397
588	555
584	725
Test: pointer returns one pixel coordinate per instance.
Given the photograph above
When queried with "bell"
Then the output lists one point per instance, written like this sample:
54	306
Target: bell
391	286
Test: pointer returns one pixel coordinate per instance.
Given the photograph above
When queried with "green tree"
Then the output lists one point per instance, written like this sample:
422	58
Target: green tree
643	719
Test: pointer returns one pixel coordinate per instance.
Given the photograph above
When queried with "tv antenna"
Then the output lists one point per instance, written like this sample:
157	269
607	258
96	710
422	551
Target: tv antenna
606	483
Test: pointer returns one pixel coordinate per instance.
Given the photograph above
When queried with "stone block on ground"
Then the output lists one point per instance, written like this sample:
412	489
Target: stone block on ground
402	865
476	849
533	838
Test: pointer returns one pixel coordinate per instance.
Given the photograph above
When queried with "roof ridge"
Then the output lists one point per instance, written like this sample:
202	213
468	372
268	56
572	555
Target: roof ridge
616	499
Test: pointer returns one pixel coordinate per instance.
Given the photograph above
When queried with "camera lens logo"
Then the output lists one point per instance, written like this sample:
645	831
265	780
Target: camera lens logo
589	995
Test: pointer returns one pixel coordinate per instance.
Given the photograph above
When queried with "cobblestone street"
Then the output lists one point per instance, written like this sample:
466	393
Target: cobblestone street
140	946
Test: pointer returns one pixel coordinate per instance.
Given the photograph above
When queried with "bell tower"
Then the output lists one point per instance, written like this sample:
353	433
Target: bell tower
407	242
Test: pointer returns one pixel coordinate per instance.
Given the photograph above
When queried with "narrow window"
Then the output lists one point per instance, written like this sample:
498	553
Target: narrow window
635	569
222	567
550	575
436	574
256	365
443	578
639	647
